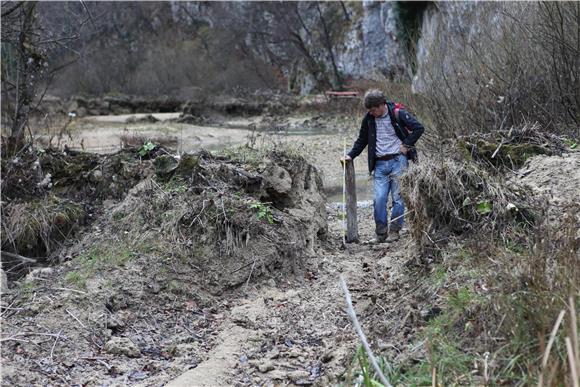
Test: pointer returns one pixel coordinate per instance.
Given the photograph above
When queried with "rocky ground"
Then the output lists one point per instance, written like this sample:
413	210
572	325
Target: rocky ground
148	314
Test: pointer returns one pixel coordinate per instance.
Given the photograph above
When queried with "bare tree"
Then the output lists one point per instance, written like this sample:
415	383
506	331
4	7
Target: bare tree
25	65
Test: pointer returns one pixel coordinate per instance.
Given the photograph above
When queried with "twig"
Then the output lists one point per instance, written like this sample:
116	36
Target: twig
344	220
17	256
70	290
497	149
361	334
574	329
549	346
572	362
159	187
243	267
103	363
75	317
400	216
434	377
14	338
54	345
250	276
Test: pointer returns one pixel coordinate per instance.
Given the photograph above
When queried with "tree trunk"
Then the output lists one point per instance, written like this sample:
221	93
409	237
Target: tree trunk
29	65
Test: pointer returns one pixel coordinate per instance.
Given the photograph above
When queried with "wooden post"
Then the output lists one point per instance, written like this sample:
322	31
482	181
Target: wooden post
351	216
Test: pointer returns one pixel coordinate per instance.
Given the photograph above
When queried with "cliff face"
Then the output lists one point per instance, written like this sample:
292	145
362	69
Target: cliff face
311	46
316	45
371	48
451	27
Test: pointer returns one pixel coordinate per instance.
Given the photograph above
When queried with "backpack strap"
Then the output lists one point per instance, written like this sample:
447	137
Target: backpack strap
399	106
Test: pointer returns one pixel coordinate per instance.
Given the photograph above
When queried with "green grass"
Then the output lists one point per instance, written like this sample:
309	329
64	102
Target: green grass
105	257
76	278
96	259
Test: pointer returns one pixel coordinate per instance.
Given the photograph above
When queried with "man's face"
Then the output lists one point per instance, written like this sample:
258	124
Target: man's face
378	111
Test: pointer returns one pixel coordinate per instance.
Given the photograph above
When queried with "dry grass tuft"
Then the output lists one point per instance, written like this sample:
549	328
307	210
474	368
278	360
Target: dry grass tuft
217	214
510	148
37	228
451	196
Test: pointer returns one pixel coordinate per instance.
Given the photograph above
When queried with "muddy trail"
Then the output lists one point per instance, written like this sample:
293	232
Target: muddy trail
224	267
208	269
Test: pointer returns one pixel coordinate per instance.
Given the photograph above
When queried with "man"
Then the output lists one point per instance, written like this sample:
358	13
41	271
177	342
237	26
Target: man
390	140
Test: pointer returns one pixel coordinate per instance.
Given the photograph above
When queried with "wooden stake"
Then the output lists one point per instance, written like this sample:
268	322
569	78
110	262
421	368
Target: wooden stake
350	202
344	216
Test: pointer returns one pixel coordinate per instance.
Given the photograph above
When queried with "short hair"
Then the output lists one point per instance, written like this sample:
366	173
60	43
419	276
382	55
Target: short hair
374	98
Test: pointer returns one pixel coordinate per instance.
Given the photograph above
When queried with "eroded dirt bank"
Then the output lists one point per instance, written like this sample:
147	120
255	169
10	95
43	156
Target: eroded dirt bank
215	270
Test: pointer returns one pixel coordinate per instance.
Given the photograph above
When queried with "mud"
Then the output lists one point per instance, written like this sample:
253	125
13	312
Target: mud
220	271
103	305
152	290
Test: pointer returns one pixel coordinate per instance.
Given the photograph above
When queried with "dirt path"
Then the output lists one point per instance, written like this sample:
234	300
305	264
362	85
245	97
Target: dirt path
295	330
286	327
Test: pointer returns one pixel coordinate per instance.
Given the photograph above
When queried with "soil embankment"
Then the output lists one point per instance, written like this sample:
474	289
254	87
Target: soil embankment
213	269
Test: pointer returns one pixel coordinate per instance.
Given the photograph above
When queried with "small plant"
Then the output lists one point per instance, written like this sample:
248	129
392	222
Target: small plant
571	143
263	210
146	148
75	278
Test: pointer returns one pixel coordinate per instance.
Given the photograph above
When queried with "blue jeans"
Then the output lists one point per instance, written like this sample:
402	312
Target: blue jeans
386	180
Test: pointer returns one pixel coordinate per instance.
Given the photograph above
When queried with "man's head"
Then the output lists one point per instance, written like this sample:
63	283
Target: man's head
375	102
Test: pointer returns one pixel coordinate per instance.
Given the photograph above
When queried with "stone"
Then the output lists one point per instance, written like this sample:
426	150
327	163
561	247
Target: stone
298	375
122	346
266	366
278	179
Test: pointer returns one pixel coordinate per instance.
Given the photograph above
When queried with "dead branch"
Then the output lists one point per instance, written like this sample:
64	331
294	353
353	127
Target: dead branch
361	335
19	257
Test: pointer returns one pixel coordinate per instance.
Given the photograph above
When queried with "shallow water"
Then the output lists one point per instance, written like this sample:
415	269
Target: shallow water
364	189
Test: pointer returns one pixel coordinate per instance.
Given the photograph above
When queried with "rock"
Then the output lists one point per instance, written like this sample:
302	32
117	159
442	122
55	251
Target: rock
428	314
41	272
278	179
114	322
298	375
3	282
266	366
295	352
277	374
122	346
165	165
96	176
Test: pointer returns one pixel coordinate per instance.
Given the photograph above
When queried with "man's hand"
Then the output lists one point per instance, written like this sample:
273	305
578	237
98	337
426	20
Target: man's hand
345	159
403	149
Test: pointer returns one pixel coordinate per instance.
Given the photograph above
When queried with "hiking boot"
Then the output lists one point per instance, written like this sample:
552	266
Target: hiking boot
393	236
379	239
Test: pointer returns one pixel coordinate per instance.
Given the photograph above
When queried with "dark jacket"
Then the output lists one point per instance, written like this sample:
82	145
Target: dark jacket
368	133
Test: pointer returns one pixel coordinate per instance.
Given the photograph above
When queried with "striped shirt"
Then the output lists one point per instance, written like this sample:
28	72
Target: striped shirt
387	141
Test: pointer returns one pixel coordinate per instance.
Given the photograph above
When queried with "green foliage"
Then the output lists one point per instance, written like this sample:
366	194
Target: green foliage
146	148
365	370
119	215
263	211
484	207
571	143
